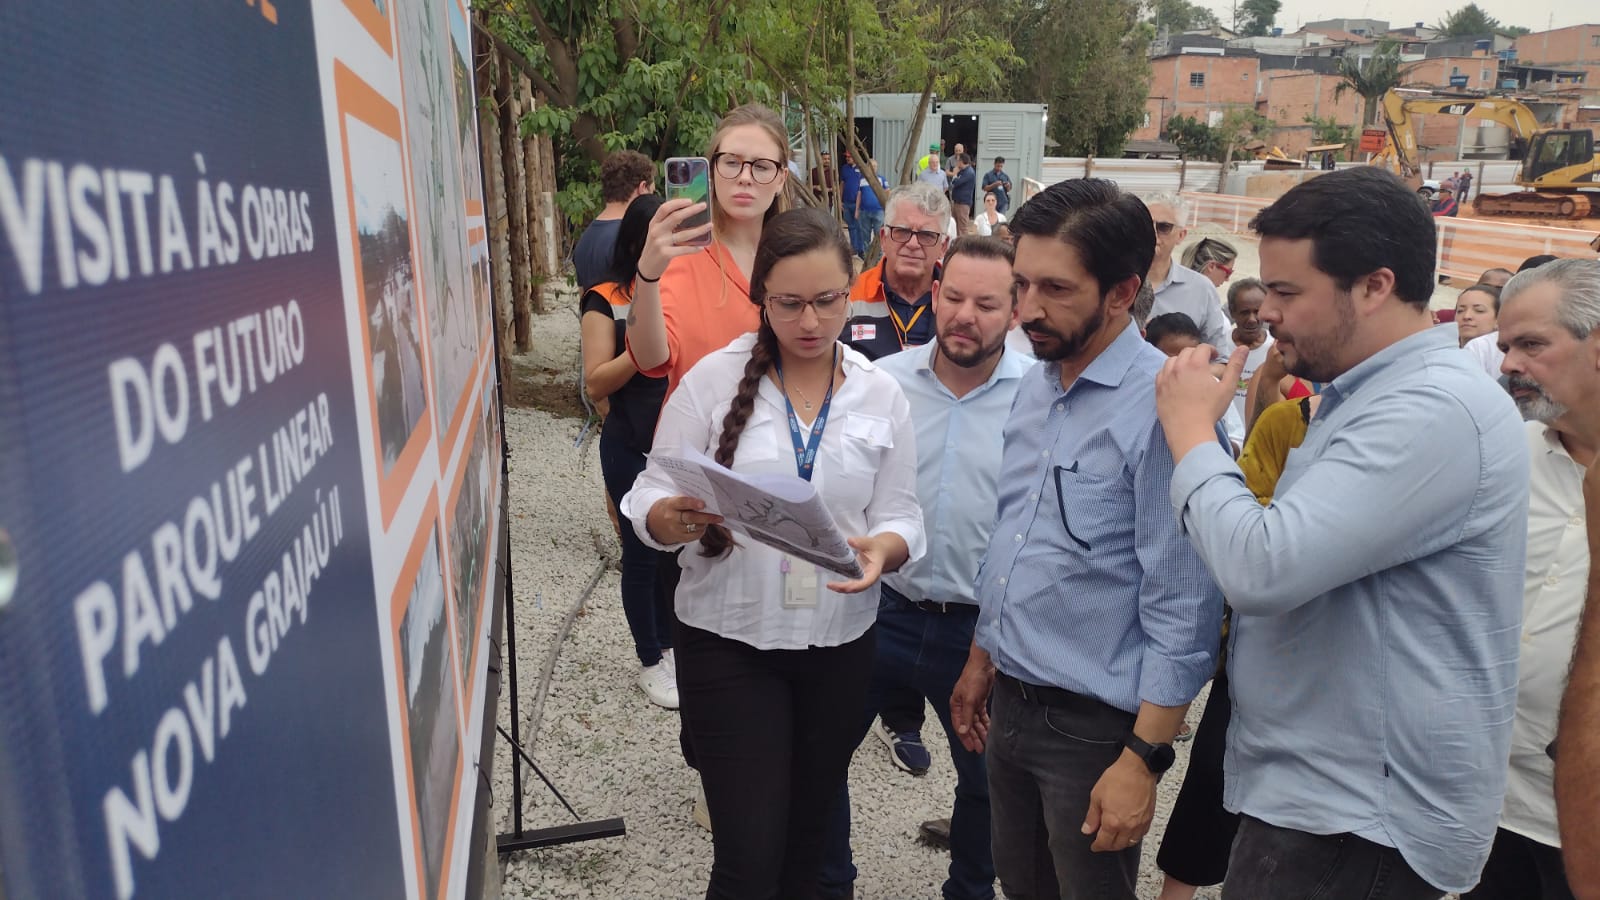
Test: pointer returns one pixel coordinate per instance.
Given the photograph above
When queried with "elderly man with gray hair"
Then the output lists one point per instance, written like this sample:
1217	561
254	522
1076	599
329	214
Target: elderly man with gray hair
1179	288
1550	332
889	303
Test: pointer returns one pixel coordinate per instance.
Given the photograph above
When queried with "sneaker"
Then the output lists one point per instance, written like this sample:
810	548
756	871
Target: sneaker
905	748
671	661
702	812
660	684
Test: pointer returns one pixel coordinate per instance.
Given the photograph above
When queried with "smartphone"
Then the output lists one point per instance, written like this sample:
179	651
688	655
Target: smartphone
690	176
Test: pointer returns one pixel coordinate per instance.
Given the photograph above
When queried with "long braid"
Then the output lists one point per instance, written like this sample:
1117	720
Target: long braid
718	541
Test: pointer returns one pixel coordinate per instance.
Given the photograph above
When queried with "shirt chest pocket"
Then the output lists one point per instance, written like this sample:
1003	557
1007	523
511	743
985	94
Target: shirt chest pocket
863	439
1093	509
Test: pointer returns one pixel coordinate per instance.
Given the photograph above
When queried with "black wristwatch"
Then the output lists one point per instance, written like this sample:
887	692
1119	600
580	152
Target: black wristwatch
1158	758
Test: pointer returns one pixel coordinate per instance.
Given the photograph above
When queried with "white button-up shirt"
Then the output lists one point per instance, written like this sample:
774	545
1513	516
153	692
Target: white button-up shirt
865	472
1558	570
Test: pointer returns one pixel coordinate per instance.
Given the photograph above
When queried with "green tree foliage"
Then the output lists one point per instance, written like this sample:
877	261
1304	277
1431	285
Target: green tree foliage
1467	21
1194	138
1371	78
1328	131
1256	16
604	66
1086	59
1179	15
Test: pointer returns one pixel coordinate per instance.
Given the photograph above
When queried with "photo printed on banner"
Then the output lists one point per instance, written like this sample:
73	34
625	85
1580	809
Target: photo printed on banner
431	714
470	528
434	65
388	286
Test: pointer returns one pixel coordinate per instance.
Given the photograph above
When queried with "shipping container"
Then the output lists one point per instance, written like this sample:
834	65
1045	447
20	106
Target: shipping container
1012	130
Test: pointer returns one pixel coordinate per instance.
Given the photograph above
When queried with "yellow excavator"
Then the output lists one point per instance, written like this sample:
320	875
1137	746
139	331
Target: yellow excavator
1557	165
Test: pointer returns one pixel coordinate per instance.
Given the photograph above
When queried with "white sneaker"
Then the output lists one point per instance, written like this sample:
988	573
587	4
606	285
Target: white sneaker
671	660
660	684
702	812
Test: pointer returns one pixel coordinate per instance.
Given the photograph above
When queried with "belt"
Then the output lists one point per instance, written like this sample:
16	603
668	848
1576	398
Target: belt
933	606
1056	698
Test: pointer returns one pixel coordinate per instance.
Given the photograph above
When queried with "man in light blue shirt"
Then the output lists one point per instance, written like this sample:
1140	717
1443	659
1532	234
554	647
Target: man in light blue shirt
1098	623
960	388
1179	288
1376	600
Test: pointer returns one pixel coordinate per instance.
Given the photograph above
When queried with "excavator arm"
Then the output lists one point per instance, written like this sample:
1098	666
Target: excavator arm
1398	110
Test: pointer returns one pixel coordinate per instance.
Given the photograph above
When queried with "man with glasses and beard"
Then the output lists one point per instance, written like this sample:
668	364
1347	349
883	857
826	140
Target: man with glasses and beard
1550	333
1098	622
1179	288
960	389
1373	648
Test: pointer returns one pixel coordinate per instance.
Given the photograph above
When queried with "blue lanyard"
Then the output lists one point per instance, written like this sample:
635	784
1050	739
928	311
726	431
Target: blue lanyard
805	453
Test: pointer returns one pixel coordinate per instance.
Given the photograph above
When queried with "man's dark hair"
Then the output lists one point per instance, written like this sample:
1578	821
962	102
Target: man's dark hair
623	172
982	247
966	158
1172	325
999	159
1359	220
1110	228
1534	262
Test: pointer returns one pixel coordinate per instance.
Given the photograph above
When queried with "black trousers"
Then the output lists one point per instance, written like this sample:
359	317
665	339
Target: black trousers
1273	863
772	733
1200	833
1521	868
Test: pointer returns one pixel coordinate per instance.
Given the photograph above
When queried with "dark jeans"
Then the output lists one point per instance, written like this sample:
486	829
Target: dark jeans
924	653
853	226
1521	868
1195	848
647	607
771	743
903	709
1272	863
1043	763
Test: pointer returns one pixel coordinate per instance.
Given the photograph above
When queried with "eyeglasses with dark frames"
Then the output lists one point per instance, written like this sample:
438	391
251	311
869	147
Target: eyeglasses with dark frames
924	238
762	171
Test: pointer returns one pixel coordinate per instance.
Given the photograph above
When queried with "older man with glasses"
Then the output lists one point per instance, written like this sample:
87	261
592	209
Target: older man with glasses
889	303
1179	288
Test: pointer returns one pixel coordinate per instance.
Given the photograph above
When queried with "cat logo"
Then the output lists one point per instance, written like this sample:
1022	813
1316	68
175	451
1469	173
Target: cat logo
1458	109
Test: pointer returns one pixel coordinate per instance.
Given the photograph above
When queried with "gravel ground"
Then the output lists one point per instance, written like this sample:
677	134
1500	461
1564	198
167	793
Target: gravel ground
610	751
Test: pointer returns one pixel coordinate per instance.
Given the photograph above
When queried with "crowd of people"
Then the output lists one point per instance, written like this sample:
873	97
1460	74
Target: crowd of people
1081	485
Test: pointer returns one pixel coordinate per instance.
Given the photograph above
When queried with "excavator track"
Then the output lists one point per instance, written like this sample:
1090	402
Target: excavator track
1534	203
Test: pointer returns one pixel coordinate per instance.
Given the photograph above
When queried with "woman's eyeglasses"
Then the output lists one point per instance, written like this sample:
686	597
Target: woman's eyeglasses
1165	227
763	171
1227	271
788	308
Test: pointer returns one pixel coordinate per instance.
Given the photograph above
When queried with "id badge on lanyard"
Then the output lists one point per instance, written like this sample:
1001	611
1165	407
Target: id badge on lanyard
800	578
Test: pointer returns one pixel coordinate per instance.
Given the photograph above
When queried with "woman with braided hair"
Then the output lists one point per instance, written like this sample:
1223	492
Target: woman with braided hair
773	657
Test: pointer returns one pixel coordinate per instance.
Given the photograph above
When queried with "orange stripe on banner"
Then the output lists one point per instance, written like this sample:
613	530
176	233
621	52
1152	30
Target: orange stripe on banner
476	236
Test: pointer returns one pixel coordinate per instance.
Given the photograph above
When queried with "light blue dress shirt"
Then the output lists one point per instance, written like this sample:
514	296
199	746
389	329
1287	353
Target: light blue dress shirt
1376	604
1187	291
959	441
1088	583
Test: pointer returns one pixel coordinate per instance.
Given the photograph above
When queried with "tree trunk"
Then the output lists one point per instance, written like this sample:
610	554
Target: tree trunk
914	132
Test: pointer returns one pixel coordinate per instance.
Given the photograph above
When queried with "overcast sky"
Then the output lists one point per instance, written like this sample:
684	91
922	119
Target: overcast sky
1535	14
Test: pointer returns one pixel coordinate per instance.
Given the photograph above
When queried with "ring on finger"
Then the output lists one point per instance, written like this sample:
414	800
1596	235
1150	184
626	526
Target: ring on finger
691	527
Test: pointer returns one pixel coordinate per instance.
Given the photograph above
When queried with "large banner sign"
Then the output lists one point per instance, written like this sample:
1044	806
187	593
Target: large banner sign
249	449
